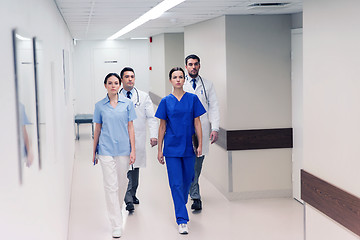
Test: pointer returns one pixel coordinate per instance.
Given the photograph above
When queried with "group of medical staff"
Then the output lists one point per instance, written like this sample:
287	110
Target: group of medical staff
189	121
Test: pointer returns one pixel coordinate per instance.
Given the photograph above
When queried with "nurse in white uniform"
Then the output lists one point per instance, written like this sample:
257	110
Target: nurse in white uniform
114	147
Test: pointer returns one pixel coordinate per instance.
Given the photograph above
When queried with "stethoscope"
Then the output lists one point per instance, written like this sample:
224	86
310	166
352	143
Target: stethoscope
137	104
202	83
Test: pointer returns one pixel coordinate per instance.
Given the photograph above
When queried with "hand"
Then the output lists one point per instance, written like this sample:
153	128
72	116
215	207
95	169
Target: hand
153	142
214	136
29	159
95	160
161	157
132	157
199	151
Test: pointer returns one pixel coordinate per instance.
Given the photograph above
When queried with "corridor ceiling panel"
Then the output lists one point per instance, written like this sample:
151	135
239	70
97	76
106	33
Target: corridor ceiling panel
99	19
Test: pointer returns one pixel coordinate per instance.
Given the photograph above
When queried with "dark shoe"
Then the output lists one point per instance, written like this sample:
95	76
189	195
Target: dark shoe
196	204
130	207
135	200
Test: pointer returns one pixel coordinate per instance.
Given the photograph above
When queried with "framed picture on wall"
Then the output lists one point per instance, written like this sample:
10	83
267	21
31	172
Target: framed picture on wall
40	89
66	73
25	99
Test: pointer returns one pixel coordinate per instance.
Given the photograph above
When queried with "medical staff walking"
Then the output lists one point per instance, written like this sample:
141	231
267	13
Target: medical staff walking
204	89
145	114
114	146
179	115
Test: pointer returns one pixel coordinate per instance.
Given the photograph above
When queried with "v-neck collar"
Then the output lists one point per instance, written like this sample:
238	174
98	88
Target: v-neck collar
177	98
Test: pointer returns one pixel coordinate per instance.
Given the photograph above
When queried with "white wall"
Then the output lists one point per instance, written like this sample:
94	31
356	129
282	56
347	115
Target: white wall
252	55
174	55
89	83
39	208
331	103
297	108
167	51
258	70
158	76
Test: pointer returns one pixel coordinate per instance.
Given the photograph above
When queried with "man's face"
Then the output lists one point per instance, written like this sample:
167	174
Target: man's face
128	80
193	67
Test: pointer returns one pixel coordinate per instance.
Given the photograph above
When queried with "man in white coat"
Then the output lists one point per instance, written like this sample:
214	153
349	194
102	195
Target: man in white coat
204	89
145	113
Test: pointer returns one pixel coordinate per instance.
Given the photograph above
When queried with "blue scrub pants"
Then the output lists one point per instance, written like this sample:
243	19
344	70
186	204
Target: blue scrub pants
181	174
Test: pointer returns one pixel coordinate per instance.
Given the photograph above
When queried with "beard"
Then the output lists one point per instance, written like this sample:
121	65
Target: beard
193	75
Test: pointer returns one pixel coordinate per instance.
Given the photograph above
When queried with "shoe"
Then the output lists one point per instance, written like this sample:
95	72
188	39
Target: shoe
183	229
116	233
135	200
130	207
196	204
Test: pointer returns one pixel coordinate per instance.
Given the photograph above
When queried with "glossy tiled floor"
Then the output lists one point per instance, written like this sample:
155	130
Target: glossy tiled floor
153	218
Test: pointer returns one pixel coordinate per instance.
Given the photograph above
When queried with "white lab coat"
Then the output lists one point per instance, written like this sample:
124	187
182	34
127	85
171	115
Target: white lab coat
211	119
145	113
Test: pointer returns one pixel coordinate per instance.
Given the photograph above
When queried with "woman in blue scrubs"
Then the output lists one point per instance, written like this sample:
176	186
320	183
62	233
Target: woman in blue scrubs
114	146
179	115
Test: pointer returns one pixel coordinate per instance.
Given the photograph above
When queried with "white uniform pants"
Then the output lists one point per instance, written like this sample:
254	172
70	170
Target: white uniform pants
115	185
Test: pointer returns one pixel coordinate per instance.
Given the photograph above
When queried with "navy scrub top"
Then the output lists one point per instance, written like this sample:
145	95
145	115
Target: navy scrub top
179	116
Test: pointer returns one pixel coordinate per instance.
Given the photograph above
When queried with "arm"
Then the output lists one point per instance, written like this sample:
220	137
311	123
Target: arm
132	141
151	120
30	156
214	114
197	124
162	129
97	131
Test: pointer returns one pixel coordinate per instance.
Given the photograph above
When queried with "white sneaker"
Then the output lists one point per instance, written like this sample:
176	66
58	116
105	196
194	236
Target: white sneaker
183	229
116	233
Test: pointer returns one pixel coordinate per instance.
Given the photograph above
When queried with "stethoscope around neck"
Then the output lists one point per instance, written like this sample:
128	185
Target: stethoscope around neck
202	83
137	104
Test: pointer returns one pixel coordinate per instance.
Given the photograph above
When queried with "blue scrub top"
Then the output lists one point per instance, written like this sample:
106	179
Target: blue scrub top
114	136
179	116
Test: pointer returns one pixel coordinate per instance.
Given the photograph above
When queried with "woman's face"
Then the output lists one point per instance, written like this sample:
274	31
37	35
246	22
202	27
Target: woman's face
112	85
177	79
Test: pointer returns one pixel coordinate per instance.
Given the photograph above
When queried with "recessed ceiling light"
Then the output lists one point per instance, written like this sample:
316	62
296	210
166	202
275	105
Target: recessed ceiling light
268	4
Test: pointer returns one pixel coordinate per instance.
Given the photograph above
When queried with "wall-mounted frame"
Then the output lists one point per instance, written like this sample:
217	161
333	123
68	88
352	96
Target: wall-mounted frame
66	73
39	98
25	99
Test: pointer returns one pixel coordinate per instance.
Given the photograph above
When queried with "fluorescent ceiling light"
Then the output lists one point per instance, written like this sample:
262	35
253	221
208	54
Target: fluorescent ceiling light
153	13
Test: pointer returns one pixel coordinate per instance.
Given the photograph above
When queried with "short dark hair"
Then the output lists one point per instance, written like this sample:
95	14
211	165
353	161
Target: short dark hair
192	56
126	69
110	75
176	69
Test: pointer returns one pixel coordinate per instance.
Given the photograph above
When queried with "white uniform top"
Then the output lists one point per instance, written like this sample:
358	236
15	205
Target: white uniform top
211	119
145	113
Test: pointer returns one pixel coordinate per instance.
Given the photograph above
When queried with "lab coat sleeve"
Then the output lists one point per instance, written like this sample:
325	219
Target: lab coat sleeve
214	113
150	117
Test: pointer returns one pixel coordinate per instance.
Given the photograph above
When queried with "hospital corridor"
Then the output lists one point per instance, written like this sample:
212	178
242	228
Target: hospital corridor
272	88
153	218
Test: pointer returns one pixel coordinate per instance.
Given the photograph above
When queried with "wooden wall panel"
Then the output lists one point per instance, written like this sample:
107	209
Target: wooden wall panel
259	139
334	202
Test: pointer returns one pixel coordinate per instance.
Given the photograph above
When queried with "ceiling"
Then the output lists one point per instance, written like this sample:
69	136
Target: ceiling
99	19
